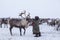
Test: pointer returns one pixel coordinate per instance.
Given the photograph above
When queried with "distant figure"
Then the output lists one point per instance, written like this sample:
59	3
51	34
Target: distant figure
35	25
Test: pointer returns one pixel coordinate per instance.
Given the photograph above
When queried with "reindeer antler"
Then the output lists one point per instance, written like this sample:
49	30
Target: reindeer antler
22	14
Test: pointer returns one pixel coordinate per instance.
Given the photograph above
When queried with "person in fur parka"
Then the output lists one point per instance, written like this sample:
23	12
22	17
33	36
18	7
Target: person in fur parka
36	29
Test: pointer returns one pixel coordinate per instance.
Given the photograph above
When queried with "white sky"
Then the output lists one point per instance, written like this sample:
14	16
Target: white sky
42	8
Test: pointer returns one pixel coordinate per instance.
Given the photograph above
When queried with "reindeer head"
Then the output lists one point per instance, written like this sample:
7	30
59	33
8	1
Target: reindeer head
24	15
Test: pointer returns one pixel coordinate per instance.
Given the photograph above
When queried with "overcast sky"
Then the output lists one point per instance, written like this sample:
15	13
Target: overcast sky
41	8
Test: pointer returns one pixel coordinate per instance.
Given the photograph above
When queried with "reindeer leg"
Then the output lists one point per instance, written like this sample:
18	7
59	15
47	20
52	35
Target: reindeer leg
57	27
11	30
1	25
24	30
20	32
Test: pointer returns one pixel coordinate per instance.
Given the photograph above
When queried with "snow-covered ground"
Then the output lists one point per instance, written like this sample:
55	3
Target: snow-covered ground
47	32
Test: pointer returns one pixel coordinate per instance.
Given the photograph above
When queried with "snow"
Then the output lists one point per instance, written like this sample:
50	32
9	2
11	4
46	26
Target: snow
47	32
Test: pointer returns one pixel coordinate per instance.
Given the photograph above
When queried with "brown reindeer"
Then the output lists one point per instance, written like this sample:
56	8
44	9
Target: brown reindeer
19	23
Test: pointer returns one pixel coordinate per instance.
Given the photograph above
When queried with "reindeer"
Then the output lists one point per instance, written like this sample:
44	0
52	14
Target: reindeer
52	22
4	21
58	24
21	23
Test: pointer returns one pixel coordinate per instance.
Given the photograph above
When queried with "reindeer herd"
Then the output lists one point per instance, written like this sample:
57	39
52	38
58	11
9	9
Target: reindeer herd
26	21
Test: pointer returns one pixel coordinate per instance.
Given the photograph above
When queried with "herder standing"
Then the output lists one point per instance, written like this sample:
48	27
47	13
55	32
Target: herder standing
35	25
